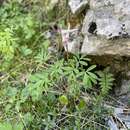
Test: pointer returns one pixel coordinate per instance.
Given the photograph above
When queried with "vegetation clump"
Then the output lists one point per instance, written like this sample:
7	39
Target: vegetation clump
39	90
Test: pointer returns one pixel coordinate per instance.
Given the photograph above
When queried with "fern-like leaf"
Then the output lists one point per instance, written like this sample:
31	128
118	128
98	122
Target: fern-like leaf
105	81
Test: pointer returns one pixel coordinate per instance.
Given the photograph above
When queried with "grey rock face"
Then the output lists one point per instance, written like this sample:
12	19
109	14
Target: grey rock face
124	89
106	28
77	6
123	96
94	4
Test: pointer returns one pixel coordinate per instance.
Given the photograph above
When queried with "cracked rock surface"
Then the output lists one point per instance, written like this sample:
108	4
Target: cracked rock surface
106	28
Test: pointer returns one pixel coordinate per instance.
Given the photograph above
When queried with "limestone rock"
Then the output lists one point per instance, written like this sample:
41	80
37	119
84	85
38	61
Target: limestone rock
106	28
120	119
124	89
96	46
103	3
123	93
77	6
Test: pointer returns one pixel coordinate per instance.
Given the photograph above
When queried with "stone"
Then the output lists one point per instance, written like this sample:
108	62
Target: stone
93	45
77	6
120	119
106	28
94	4
122	92
124	88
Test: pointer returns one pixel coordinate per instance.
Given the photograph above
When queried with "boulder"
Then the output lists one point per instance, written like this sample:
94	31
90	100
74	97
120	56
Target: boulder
124	88
106	28
77	6
122	92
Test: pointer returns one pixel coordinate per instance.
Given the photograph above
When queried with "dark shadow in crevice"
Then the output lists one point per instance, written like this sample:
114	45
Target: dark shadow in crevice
92	27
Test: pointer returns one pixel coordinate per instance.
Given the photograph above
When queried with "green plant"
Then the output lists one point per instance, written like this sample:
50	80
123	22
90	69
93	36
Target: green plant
45	83
39	83
43	56
63	100
18	31
7	46
79	73
8	126
105	81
